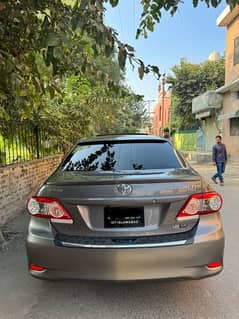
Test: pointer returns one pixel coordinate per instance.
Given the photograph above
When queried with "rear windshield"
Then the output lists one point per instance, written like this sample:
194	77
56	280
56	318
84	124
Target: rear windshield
120	156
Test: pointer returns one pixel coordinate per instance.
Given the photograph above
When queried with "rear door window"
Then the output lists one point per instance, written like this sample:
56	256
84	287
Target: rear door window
122	155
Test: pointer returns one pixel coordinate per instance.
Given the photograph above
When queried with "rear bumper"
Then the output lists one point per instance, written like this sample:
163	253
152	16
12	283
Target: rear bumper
179	261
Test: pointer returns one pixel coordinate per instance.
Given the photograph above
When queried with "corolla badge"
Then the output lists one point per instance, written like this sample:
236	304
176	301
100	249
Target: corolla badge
124	189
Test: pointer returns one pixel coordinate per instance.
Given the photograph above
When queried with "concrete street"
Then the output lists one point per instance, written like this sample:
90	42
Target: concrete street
22	296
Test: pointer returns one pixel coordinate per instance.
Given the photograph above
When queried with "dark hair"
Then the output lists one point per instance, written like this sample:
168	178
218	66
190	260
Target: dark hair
166	129
218	136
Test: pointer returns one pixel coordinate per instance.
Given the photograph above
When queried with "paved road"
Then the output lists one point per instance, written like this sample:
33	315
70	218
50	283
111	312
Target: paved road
24	297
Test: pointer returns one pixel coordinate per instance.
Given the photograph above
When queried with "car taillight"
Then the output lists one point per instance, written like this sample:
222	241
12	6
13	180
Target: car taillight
48	207
200	204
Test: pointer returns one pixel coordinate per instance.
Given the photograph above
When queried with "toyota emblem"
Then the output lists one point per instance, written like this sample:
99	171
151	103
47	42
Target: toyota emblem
124	189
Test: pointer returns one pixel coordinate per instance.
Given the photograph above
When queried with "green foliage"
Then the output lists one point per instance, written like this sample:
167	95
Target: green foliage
152	11
59	72
58	66
176	121
190	80
85	108
65	35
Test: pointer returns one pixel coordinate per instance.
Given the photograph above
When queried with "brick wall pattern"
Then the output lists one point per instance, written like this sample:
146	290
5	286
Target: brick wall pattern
17	181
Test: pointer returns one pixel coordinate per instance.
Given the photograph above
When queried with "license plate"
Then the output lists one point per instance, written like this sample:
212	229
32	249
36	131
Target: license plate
124	217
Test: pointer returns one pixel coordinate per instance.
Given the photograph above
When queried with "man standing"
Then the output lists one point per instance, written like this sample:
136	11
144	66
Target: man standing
219	157
166	134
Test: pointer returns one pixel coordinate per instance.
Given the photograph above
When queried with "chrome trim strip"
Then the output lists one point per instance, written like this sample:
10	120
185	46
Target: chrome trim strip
173	243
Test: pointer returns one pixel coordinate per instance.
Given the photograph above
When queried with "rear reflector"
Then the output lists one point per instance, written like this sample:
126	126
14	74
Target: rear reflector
215	264
36	268
201	204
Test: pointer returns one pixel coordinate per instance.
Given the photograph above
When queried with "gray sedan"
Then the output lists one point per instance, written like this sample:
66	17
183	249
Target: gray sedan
125	207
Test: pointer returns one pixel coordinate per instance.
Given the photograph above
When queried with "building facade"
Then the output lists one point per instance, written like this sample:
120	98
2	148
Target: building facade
162	111
206	108
229	117
218	111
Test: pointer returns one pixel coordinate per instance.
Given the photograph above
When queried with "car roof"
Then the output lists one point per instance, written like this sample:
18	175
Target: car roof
122	137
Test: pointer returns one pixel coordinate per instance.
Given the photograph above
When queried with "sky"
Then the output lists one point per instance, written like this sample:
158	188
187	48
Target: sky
191	33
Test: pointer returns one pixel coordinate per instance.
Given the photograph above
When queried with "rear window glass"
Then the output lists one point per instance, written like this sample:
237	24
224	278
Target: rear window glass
121	156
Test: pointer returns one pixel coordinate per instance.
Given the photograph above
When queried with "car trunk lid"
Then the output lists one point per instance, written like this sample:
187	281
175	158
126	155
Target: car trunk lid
90	197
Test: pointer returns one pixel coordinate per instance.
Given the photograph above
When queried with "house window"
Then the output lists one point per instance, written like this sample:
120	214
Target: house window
234	126
236	51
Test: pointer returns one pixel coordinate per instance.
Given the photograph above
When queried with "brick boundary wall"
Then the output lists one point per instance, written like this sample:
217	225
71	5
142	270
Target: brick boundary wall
17	181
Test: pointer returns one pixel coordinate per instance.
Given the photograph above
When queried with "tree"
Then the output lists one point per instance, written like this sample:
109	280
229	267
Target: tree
87	108
152	11
190	80
54	32
42	43
176	121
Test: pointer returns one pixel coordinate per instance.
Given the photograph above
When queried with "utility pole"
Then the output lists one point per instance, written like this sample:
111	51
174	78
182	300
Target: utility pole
148	102
148	107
